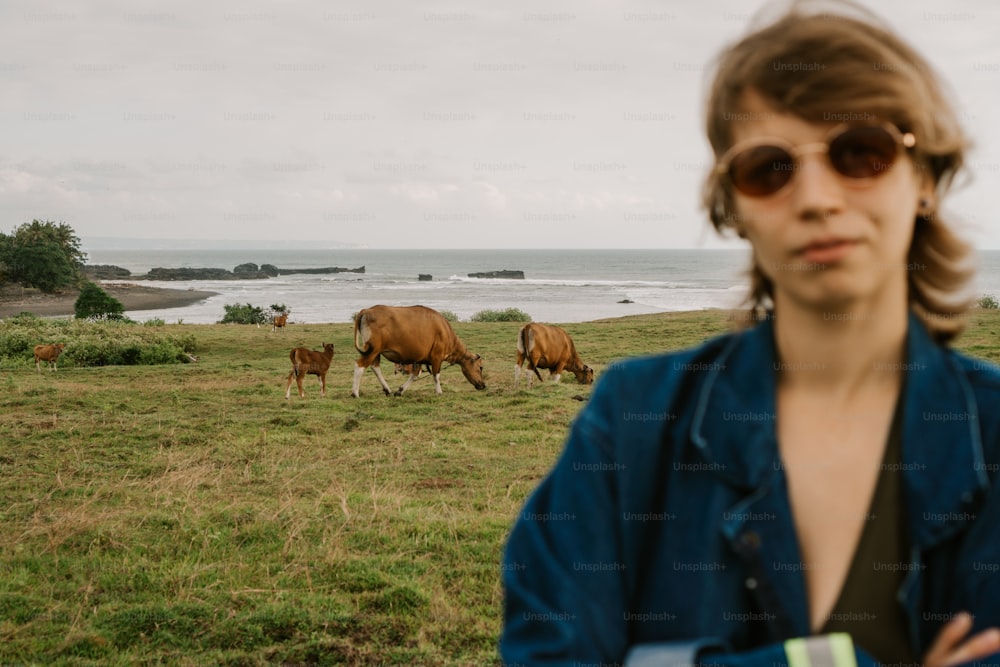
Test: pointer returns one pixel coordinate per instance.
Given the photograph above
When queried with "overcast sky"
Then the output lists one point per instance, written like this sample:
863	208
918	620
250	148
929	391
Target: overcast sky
395	123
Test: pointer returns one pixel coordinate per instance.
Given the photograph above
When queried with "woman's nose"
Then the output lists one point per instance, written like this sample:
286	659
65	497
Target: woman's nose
817	190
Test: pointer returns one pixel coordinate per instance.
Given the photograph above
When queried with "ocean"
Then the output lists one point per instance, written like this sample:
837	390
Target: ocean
559	285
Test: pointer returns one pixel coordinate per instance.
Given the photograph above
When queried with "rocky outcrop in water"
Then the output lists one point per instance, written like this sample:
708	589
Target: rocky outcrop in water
505	273
328	269
246	271
106	272
160	273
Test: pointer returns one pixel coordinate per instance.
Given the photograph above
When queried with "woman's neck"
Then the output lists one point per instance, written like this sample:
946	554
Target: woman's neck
839	351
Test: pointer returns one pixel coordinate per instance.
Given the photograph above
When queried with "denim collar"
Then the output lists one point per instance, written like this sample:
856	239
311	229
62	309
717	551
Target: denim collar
942	460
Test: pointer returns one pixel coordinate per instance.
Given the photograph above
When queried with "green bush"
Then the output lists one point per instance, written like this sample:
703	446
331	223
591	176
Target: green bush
244	314
508	315
988	302
96	304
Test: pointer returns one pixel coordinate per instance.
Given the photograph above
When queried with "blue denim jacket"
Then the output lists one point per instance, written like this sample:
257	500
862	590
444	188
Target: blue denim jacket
667	519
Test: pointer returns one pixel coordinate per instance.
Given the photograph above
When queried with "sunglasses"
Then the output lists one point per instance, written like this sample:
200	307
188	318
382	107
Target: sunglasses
763	166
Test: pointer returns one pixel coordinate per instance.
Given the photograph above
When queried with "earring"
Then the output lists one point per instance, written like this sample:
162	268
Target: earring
926	209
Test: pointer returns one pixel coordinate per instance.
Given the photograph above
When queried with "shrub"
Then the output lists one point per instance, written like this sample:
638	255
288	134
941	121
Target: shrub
90	343
96	304
508	315
988	302
243	314
448	315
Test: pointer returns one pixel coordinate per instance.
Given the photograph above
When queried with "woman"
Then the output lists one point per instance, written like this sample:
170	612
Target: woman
825	474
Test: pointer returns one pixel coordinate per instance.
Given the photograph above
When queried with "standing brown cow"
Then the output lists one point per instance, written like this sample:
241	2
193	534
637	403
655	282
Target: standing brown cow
49	354
309	362
410	335
279	322
547	346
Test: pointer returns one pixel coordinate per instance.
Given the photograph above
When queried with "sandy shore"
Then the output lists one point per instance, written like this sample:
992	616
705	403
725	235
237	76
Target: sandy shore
15	300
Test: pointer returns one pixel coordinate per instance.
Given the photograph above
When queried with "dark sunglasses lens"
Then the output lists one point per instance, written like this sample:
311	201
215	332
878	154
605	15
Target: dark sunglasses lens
863	152
762	170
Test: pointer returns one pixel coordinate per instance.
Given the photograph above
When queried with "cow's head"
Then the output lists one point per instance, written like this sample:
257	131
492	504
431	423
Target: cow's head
584	375
472	369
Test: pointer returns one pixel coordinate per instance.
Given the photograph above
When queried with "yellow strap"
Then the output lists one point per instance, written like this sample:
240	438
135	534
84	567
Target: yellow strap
797	653
842	648
833	650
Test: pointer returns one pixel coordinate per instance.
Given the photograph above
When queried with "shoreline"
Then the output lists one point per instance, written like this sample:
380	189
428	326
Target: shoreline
17	300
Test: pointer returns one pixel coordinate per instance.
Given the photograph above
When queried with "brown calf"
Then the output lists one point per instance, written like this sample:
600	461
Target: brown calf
279	322
49	354
309	362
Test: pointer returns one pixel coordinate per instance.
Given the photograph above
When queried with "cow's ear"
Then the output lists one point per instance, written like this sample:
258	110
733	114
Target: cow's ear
476	357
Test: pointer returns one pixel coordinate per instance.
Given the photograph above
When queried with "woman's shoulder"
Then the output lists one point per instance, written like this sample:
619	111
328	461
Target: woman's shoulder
982	374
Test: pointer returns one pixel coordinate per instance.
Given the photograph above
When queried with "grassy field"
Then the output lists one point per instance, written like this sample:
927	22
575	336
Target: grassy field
188	514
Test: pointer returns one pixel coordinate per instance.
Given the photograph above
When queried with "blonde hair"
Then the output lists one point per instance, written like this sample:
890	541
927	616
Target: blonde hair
834	67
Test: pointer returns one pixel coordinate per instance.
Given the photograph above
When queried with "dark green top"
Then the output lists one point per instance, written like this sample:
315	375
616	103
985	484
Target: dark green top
867	607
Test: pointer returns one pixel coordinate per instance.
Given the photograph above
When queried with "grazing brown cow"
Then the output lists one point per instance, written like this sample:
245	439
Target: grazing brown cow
279	322
49	354
550	347
309	362
410	335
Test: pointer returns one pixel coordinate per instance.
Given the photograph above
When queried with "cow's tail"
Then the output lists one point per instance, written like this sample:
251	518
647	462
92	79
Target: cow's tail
526	343
360	344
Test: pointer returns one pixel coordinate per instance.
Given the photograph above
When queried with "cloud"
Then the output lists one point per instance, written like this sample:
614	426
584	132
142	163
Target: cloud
231	118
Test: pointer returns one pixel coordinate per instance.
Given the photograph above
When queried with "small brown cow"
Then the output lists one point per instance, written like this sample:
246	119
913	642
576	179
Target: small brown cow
279	322
412	335
309	362
49	354
549	347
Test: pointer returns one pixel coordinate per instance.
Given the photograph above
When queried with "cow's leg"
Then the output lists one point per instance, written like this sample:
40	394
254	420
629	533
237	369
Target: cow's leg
436	372
381	378
414	374
300	376
38	366
322	383
359	370
288	385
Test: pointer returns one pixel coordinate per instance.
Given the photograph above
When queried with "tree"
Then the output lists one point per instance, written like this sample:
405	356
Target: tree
96	304
42	265
41	254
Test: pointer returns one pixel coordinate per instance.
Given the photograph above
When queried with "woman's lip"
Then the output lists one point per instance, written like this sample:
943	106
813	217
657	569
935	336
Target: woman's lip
827	252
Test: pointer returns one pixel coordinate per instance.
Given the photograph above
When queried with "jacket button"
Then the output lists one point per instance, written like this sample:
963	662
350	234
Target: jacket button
750	540
751	583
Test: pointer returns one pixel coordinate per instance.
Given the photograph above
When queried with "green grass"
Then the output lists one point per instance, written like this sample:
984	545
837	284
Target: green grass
188	514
